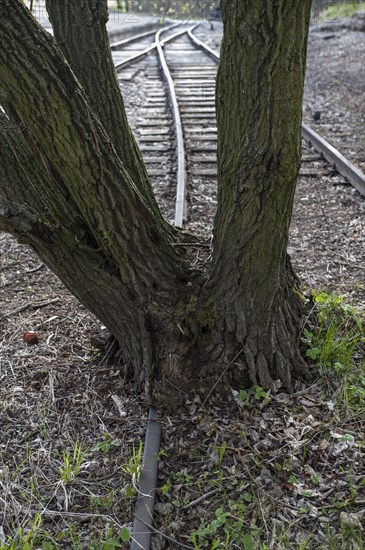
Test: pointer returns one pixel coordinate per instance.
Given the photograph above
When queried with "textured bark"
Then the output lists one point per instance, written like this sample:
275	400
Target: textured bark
259	106
99	236
74	188
80	31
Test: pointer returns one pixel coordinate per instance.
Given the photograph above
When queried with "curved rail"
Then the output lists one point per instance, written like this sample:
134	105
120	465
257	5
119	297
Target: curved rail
343	166
136	37
180	204
146	51
202	46
132	39
153	46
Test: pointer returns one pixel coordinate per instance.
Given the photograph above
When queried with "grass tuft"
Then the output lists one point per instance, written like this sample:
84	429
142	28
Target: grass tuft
340	10
335	342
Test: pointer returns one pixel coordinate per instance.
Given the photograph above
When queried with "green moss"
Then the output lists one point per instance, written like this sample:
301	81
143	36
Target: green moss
197	317
106	236
205	316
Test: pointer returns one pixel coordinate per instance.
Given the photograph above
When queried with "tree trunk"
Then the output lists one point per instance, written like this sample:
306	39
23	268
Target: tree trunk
82	212
80	31
73	186
259	108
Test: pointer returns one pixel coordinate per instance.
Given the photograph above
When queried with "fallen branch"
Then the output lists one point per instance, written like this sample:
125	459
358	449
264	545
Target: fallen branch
35	305
201	498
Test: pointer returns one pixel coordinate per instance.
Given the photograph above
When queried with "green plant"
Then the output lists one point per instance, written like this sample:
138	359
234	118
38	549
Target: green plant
30	537
134	465
256	393
107	443
112	542
340	10
227	528
105	501
72	463
334	344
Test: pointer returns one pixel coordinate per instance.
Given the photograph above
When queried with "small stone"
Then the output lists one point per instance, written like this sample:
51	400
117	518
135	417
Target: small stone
31	338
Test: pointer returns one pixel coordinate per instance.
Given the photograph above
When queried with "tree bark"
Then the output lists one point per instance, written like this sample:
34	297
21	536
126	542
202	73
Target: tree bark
259	105
80	31
73	189
94	228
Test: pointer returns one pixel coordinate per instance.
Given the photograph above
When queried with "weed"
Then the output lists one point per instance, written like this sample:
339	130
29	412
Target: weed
29	537
334	344
71	463
340	10
134	465
256	393
107	443
33	536
228	528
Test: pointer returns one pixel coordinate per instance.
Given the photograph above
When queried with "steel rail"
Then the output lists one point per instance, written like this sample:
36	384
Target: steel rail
153	46
343	166
143	515
180	203
137	37
330	153
202	46
139	55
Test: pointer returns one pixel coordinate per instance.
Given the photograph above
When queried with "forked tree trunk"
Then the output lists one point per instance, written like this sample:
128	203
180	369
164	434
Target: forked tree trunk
73	186
74	201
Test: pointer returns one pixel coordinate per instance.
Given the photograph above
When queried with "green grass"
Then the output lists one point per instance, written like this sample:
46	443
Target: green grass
335	343
340	10
34	537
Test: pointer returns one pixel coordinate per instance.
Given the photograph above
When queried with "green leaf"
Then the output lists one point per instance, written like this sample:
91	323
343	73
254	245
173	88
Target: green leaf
347	437
125	535
313	353
247	541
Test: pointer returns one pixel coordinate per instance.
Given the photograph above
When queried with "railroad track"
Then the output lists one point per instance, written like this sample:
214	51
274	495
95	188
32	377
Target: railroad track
175	127
174	72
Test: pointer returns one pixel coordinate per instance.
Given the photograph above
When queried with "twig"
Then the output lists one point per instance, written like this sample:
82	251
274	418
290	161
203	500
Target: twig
35	305
35	268
221	376
81	515
201	498
203	245
181	544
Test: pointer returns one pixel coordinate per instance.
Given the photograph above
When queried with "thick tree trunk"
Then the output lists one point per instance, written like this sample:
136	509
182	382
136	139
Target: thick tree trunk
81	211
73	186
259	106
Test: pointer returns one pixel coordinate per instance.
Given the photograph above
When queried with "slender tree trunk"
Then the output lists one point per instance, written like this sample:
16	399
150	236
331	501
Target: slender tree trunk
259	106
80	31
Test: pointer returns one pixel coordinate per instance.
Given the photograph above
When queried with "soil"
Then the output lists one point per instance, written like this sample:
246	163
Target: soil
61	391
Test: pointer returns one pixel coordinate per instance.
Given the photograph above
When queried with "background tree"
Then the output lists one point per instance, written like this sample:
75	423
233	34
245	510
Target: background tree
73	186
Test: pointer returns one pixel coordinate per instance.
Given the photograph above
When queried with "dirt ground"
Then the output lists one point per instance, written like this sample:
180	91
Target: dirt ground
288	468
